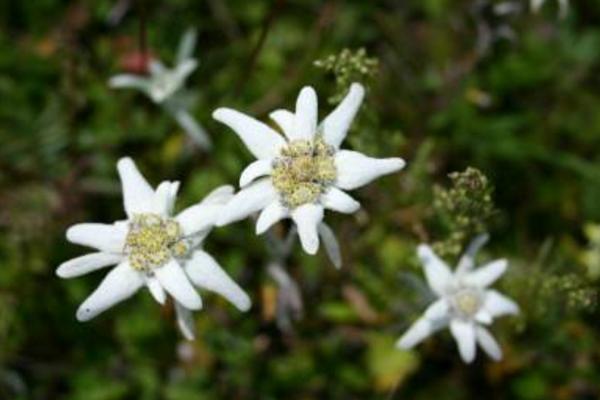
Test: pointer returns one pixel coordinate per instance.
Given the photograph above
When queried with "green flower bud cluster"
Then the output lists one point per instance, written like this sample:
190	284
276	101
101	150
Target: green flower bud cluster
464	210
348	66
575	292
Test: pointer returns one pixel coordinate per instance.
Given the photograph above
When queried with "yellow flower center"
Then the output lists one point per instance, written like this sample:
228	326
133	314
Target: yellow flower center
467	302
303	171
152	241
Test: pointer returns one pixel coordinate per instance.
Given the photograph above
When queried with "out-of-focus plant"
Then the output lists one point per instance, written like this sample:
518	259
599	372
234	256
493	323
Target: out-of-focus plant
465	303
591	255
348	66
563	6
166	87
463	210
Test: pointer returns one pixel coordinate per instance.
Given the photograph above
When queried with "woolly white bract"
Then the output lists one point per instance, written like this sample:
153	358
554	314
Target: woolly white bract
465	302
304	172
152	248
163	86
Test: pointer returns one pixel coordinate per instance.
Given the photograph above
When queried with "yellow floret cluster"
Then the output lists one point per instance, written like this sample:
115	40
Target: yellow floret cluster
467	302
303	171
152	241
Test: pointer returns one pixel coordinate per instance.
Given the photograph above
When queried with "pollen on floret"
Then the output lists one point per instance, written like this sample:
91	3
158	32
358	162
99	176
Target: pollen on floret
467	302
152	241
303	171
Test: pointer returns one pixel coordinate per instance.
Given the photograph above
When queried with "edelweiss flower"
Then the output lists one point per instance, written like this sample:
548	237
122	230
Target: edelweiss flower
302	174
154	249
464	302
563	6
165	84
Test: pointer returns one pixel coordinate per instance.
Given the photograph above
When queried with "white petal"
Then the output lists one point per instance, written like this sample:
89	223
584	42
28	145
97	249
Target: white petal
108	238
220	195
355	169
437	310
162	200
305	120
420	330
487	274
198	218
205	272
249	200
467	261
332	247
255	170
88	263
185	322
137	193
192	127
156	67
437	272
259	138
337	123
173	280
497	304
270	215
119	284
185	68
464	334
186	45
129	81
488	343
156	290
307	218
172	197
483	317
563	8
337	200
285	120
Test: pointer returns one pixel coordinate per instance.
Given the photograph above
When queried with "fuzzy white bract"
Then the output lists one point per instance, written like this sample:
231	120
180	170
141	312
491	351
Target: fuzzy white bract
563	6
163	85
465	302
302	173
152	248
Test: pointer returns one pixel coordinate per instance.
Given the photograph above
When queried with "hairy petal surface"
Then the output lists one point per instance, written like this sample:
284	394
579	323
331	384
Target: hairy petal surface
119	284
307	218
87	263
259	138
206	273
355	169
337	123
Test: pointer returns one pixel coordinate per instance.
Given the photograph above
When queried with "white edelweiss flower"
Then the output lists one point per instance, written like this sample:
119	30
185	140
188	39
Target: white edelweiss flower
563	6
153	248
465	302
304	172
164	84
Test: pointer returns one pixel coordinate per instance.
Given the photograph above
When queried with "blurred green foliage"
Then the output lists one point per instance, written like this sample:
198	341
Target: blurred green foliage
523	114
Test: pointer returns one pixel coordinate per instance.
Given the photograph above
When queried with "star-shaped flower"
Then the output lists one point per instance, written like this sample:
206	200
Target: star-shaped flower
304	172
465	302
153	249
164	86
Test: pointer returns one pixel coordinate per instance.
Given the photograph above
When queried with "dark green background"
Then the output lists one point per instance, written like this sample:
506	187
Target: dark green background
524	112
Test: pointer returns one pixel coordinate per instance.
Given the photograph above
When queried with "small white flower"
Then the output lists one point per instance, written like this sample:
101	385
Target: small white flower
563	6
163	85
465	302
304	172
154	249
